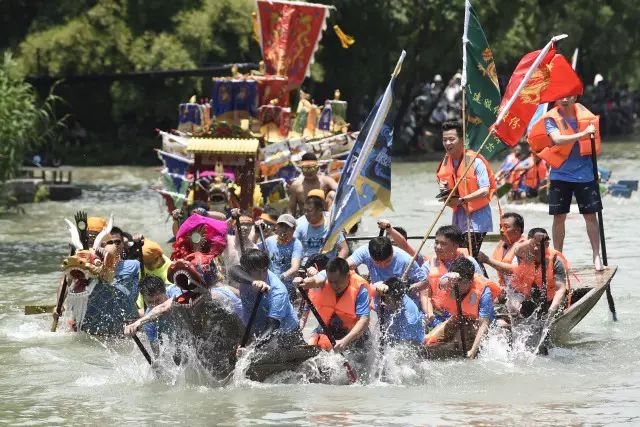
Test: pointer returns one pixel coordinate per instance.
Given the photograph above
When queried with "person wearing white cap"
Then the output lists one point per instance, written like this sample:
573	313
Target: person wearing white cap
284	250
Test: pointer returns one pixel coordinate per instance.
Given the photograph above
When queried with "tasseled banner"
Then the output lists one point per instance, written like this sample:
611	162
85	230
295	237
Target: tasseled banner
345	39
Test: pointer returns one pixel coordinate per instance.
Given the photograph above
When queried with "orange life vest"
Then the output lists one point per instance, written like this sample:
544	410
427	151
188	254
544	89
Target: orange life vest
437	269
535	174
344	307
527	275
445	299
556	155
499	254
447	174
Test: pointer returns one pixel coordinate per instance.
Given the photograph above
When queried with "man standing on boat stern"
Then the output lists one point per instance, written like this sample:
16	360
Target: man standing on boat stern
562	138
471	201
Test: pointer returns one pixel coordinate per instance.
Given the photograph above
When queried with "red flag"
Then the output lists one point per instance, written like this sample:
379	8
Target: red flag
289	35
554	79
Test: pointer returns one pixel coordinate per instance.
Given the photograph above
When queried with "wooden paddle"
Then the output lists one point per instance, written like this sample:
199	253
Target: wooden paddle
61	297
38	309
143	350
603	244
351	374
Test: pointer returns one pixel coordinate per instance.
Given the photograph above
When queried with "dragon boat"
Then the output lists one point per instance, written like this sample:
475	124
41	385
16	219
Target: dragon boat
584	295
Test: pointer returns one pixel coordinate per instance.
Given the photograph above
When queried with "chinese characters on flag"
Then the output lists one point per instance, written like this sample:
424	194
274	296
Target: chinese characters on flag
554	79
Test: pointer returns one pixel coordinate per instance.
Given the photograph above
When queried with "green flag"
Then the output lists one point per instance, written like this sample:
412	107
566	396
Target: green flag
480	82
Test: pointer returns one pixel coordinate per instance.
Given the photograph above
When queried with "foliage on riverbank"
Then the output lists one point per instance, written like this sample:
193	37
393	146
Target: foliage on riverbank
25	123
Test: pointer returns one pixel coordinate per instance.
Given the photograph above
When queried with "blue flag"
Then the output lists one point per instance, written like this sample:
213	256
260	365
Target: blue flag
174	163
365	183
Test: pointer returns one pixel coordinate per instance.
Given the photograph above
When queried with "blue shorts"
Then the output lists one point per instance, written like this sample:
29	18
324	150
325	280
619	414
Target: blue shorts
587	195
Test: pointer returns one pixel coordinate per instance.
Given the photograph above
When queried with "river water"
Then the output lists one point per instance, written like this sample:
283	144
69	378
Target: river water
65	378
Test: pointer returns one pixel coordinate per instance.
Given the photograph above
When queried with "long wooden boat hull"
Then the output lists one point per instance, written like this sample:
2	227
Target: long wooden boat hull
588	291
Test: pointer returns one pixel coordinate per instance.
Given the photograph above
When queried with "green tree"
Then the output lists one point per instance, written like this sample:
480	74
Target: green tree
24	123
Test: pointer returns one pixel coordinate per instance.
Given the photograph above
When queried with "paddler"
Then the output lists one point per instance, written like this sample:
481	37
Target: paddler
154	293
476	294
95	225
343	303
156	263
310	180
509	163
471	201
127	271
312	229
562	138
448	248
398	237
528	177
285	251
526	281
275	315
383	260
232	252
511	229
400	318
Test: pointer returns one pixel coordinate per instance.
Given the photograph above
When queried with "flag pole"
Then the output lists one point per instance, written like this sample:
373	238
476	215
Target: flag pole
465	40
501	116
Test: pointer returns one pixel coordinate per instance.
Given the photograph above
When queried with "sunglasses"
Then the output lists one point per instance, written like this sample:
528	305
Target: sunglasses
114	242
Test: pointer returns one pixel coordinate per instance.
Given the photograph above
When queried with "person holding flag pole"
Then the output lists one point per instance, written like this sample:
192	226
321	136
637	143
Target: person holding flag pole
512	94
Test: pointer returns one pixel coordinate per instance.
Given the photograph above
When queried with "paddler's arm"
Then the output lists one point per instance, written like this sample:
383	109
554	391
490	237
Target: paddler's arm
156	312
363	311
343	248
293	200
356	332
560	277
559	139
482	330
486	314
395	236
500	266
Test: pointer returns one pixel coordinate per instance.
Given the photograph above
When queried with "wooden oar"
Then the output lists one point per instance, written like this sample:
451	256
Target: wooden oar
143	350
463	336
351	374
61	298
38	309
603	244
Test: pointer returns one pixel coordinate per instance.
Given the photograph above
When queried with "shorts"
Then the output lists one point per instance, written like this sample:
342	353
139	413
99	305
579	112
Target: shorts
587	195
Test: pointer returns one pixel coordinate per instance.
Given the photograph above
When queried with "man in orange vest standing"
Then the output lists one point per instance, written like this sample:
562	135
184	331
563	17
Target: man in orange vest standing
343	303
471	201
562	138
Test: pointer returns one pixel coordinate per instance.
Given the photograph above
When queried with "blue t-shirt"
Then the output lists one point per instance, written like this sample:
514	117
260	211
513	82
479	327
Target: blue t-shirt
281	255
486	305
576	168
274	304
405	324
313	238
481	221
126	278
163	324
173	291
230	299
396	267
509	162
